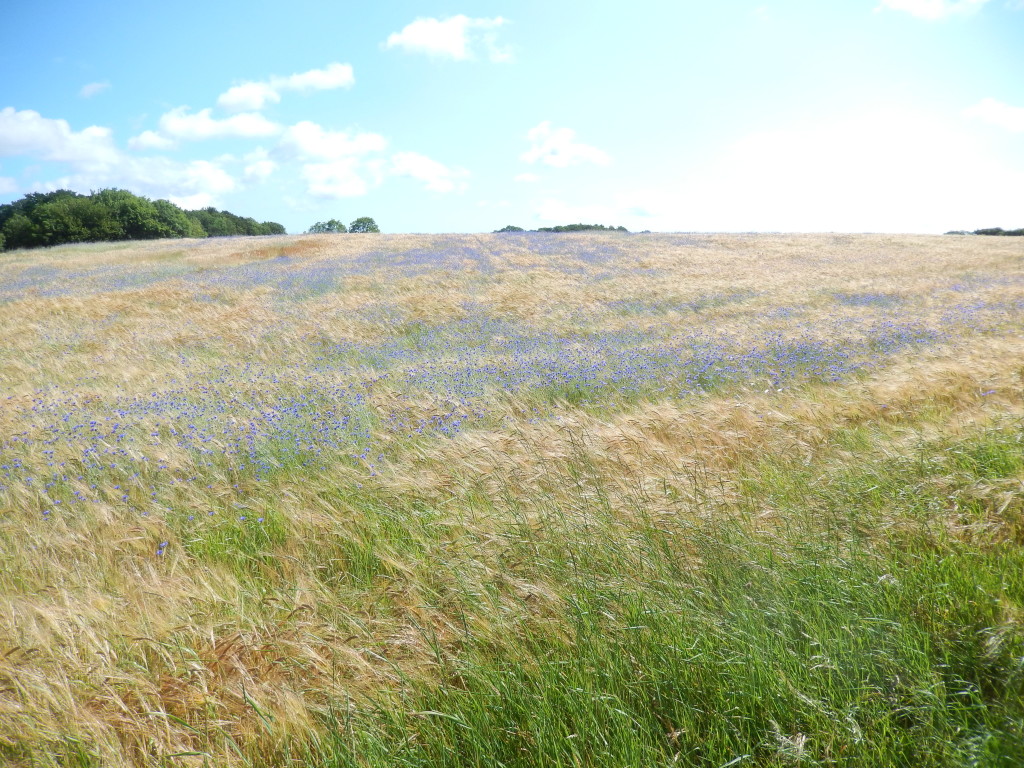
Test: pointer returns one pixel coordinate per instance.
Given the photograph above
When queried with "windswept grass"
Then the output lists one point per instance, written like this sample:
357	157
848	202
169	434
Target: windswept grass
520	500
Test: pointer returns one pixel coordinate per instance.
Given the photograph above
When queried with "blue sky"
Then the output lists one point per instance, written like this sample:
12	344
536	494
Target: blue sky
797	115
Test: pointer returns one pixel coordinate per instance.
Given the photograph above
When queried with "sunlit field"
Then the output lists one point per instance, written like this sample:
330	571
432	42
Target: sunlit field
513	500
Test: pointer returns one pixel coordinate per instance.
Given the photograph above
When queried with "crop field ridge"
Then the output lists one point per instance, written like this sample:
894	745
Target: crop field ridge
524	499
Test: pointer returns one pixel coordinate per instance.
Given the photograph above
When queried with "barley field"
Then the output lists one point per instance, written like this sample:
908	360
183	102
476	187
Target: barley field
513	500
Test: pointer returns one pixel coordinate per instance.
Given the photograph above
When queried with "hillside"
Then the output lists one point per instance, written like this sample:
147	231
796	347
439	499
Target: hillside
532	499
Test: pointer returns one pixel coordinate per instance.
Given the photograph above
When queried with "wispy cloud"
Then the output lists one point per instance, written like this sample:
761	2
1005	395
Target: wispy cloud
558	147
191	184
179	123
933	9
338	178
255	95
435	176
93	89
330	163
26	132
338	163
95	161
150	140
306	139
458	38
997	113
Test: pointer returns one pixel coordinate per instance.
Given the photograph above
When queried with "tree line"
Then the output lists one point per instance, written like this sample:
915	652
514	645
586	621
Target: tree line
998	231
566	228
53	218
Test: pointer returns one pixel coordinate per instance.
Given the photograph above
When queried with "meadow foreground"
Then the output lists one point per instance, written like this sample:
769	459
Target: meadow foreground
521	500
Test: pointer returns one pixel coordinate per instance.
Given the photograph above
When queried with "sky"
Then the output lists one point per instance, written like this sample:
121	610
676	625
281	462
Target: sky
673	115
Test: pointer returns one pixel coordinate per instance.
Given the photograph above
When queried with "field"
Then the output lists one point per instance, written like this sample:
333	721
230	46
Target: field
513	500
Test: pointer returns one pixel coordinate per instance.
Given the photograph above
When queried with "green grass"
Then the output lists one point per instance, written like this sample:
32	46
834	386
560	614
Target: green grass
238	539
766	658
812	646
688	639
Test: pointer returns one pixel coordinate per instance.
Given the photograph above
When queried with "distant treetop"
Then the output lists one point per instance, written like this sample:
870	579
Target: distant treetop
566	228
1000	231
363	224
582	228
325	227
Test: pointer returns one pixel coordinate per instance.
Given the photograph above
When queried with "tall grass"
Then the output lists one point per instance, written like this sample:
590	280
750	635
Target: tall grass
445	503
710	642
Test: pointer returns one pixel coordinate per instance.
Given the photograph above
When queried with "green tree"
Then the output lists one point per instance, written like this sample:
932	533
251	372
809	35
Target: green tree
75	219
136	216
63	216
18	232
224	223
510	228
17	218
325	227
999	231
363	224
273	228
175	221
213	222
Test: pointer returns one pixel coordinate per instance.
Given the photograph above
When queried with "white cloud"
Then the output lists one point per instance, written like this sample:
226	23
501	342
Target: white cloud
179	124
558	147
248	96
26	132
8	186
200	175
997	113
332	163
256	95
891	170
527	178
435	176
150	140
158	177
93	89
452	38
933	9
97	163
309	140
339	178
194	201
334	76
344	165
